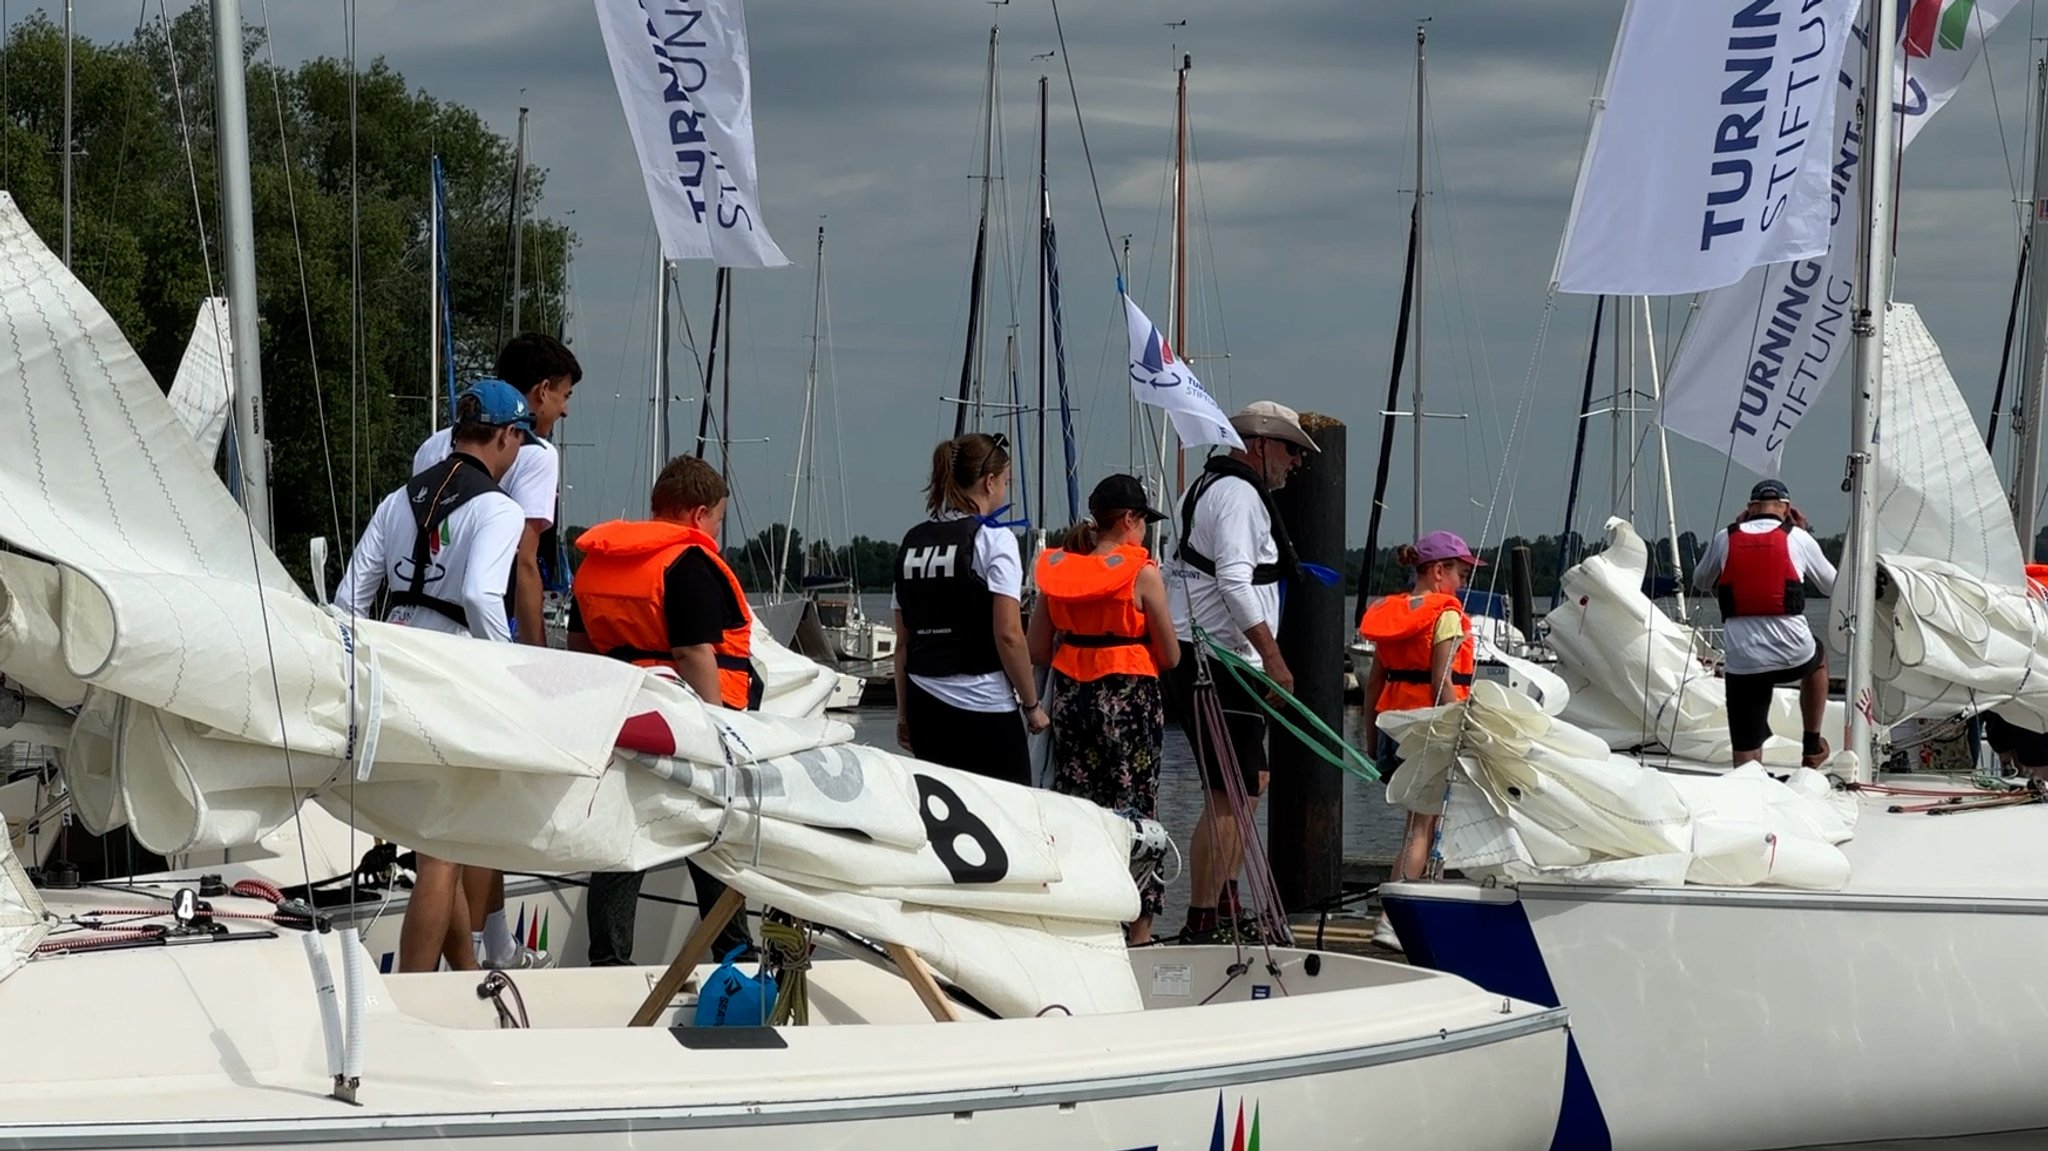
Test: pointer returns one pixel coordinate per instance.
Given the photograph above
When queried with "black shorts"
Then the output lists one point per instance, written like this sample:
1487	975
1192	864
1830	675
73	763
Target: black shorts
1749	700
2028	748
1241	718
987	743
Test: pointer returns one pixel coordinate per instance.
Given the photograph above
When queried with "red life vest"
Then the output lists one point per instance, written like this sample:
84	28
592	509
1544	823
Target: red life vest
1400	627
1093	603
1759	577
619	588
2037	580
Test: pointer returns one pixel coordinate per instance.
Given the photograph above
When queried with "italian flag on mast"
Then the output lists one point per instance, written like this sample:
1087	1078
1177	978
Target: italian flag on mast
1932	24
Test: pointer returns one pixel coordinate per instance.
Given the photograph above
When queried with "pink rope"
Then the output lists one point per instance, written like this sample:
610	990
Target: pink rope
1211	730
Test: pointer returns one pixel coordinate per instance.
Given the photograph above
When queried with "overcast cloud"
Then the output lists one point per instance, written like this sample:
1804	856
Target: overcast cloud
1303	129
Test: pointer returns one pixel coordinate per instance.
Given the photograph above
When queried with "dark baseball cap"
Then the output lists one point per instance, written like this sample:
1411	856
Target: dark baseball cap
1769	490
1120	492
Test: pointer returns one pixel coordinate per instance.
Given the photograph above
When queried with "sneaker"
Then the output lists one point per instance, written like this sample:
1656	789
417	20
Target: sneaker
1383	935
525	959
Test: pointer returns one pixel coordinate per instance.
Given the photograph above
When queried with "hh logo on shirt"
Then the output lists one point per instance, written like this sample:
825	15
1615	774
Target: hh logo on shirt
934	562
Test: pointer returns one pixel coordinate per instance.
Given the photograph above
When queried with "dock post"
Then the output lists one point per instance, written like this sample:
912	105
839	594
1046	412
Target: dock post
1305	823
1521	594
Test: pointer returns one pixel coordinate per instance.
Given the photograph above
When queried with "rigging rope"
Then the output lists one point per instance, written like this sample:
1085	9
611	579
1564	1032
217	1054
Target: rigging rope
1345	757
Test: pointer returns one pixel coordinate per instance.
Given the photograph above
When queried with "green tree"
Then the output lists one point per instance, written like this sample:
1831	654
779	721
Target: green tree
342	416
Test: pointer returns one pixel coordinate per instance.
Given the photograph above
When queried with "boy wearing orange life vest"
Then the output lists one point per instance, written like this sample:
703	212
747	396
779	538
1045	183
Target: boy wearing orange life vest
657	593
1758	568
1103	626
1423	656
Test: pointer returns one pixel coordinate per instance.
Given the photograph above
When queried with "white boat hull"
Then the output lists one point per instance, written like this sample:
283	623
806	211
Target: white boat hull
1721	1019
219	1045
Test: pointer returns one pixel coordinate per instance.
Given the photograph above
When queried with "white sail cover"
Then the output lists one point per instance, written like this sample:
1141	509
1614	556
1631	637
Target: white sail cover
1532	797
1637	676
217	698
202	389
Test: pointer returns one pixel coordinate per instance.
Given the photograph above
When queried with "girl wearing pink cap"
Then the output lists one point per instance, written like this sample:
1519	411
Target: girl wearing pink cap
1423	656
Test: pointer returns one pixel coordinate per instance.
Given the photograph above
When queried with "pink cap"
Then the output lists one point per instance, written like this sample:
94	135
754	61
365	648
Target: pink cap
1445	546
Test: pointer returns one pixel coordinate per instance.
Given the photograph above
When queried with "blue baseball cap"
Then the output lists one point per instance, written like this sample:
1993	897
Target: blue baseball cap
503	406
1767	490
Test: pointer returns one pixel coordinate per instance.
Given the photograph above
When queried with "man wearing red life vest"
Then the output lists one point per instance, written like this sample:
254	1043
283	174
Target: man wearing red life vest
1758	569
657	593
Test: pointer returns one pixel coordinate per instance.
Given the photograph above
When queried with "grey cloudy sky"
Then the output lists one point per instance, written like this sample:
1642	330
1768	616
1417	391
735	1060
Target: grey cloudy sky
1303	132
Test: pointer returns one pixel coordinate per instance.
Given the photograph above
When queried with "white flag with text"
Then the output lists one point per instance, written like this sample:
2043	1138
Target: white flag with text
1711	153
1759	353
1160	379
681	71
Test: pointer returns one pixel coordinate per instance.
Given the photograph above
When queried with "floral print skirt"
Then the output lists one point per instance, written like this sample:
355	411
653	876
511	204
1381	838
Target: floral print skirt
1107	735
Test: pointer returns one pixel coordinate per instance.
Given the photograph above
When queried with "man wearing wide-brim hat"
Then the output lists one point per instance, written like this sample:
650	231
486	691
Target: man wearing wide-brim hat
1224	578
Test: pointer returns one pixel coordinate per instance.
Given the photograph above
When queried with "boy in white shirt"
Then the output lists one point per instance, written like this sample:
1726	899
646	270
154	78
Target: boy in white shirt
546	373
442	548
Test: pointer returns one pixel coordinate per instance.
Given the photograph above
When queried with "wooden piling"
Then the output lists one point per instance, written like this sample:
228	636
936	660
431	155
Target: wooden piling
1305	838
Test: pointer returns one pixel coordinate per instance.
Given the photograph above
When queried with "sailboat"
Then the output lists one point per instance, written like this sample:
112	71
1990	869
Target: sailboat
1750	962
986	996
835	597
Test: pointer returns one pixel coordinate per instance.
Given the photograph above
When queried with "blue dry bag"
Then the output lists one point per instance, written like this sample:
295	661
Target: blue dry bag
732	998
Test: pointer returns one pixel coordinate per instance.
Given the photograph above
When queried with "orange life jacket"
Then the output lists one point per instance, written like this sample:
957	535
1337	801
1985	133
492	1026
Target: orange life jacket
1400	627
1093	603
619	590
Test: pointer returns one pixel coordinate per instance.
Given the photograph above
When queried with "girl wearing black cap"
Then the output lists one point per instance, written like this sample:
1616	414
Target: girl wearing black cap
1104	628
962	672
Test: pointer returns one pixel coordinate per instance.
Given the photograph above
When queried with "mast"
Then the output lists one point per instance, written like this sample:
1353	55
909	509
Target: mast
238	236
660	443
67	133
2026	482
1044	221
721	292
1565	555
1388	414
518	221
1180	242
803	435
433	304
970	359
1421	102
1873	283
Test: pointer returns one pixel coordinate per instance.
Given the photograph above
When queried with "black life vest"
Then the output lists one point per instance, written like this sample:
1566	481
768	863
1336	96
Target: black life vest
947	606
1759	577
433	495
1286	567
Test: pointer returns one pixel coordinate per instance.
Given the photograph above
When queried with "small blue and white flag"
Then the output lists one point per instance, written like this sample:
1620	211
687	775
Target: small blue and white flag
1164	381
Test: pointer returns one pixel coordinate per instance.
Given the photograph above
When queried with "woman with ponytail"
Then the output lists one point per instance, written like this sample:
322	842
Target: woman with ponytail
962	670
1423	656
1103	627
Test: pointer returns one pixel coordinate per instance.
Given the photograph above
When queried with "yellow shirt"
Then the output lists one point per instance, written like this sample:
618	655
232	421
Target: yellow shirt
1449	625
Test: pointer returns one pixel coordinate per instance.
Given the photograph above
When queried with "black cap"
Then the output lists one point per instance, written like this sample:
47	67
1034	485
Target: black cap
1119	492
1769	490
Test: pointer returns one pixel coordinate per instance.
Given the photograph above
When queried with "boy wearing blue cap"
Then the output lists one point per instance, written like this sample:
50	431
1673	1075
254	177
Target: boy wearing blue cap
442	548
543	370
1758	568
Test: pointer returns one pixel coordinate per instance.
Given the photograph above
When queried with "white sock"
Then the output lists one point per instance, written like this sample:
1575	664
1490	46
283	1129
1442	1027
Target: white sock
498	936
476	946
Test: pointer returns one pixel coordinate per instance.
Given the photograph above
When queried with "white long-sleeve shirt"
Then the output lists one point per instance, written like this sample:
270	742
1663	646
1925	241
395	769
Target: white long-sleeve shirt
470	564
1232	528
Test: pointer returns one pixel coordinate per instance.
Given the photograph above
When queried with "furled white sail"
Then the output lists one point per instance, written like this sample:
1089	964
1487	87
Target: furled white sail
201	391
1533	797
1636	675
22	925
217	697
1956	628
